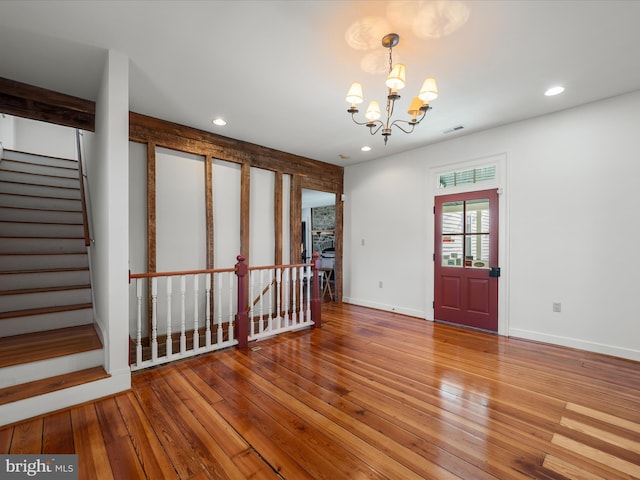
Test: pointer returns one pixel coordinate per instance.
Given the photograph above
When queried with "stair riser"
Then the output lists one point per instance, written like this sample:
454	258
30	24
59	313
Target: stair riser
41	180
46	321
32	215
14	166
38	160
11	303
15	229
32	262
39	191
39	245
29	372
23	201
18	281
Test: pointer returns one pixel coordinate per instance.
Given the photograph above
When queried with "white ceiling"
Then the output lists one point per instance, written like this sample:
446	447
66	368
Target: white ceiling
278	71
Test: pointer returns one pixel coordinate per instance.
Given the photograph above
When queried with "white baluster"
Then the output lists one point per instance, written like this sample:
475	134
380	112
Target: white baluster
251	324
196	333
294	285
154	319
301	293
169	342
183	314
207	312
230	277
261	313
308	269
270	310
278	292
218	281
285	297
139	283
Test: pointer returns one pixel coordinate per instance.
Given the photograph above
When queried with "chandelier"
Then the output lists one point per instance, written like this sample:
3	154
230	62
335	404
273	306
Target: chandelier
395	81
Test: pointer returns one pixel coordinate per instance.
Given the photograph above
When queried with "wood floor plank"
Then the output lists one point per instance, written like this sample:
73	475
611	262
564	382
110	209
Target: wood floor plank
154	460
57	433
372	395
122	455
6	434
93	460
27	437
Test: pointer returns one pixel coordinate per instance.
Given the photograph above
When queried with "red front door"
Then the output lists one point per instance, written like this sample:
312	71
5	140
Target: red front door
466	259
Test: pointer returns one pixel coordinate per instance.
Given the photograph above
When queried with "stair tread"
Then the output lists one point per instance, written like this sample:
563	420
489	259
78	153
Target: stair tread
71	168
58	288
40	387
83	252
31	347
44	270
9	151
13	182
28	222
43	310
39	209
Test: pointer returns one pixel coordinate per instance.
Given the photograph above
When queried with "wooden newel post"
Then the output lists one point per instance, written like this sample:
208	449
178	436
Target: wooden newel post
316	306
242	319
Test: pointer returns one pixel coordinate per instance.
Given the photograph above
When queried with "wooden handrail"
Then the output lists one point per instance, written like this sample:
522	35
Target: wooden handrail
85	217
179	272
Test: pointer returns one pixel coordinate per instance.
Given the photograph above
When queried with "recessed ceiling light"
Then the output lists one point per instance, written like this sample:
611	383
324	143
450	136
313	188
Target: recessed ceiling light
220	122
554	91
366	148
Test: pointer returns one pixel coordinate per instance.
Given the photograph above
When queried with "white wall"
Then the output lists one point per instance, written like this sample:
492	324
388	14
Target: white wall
7	131
226	213
571	180
261	217
41	138
180	212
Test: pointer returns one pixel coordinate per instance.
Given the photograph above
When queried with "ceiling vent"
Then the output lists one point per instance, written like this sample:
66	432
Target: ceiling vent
453	129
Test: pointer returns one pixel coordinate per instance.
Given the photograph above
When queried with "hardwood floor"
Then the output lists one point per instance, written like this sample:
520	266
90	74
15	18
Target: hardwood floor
370	395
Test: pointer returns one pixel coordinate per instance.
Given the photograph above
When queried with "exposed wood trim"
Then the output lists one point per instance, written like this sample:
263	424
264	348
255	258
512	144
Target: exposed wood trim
336	189
245	210
277	217
295	219
38	103
208	195
151	207
199	142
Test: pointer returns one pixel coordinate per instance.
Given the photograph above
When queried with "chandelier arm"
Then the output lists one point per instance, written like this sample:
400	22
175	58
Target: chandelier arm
396	123
371	130
368	123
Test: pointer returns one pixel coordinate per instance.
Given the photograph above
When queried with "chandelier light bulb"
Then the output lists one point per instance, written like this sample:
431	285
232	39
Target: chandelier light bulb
429	90
414	108
354	96
397	78
373	111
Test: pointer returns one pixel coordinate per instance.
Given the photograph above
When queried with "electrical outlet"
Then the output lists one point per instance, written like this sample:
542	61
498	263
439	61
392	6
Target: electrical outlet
557	307
362	242
380	284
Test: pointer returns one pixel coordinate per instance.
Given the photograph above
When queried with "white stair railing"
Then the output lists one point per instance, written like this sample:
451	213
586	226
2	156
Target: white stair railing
188	309
281	300
189	301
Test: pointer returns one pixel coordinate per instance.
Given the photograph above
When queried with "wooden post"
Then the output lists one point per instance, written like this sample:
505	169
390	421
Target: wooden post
242	319
316	306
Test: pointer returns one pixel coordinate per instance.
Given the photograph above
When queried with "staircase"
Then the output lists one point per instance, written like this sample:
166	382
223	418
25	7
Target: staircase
48	340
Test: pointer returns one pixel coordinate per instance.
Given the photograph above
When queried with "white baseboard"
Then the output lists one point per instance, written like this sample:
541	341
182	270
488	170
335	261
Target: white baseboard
576	343
388	308
51	402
